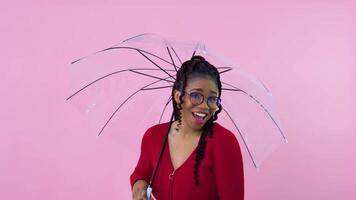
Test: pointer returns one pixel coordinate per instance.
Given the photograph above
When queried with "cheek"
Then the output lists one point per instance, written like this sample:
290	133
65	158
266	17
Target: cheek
187	107
186	104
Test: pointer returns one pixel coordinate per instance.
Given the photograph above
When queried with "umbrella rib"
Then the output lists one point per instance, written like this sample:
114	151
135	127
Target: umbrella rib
170	55
174	51
264	86
193	53
156	64
130	48
139	35
227	69
137	49
229	89
261	105
144	74
243	139
130	38
195	49
155	88
105	76
122	104
164	109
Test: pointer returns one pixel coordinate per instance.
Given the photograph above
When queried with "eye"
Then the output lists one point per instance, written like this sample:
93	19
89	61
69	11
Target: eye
195	95
212	99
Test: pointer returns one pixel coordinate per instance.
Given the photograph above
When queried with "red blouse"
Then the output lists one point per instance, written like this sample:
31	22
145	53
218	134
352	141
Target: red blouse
220	173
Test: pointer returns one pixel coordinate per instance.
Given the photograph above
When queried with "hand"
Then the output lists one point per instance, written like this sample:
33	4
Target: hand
139	190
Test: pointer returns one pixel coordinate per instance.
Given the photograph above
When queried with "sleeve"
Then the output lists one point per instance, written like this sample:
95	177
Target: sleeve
143	169
228	166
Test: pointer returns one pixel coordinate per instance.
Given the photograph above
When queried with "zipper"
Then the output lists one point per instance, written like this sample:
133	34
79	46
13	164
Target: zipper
171	179
170	176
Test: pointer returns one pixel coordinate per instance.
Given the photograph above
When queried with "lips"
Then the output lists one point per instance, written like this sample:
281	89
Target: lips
199	115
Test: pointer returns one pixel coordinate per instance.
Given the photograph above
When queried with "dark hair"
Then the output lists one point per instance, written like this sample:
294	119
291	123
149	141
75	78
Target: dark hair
196	67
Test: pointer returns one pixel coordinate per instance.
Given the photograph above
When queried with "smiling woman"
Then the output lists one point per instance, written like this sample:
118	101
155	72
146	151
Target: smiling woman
200	100
202	159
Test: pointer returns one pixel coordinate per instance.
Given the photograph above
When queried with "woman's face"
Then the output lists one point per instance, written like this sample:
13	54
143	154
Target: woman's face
195	116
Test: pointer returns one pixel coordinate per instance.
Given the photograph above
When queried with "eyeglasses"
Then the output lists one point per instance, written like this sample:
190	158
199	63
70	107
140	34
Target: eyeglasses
197	98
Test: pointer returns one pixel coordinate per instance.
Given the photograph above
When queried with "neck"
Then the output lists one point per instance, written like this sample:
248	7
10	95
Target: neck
184	130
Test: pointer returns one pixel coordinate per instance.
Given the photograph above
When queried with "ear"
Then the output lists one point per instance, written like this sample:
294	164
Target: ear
176	96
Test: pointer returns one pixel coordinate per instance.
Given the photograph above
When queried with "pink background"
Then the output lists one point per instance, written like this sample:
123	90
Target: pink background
305	53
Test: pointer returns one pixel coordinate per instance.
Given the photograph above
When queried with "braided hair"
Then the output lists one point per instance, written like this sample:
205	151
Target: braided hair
196	67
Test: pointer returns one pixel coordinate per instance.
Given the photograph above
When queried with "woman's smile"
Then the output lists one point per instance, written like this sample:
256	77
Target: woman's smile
195	109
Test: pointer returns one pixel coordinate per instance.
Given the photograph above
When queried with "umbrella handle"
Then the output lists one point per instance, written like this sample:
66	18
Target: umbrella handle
149	192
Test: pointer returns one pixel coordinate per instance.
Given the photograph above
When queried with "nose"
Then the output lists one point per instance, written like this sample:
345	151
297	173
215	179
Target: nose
204	105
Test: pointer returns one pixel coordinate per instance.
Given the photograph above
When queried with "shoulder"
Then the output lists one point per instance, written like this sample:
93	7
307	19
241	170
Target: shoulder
225	145
222	133
156	131
223	137
158	128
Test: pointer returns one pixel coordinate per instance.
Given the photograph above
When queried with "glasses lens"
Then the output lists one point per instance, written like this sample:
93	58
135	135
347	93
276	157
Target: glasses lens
213	101
196	98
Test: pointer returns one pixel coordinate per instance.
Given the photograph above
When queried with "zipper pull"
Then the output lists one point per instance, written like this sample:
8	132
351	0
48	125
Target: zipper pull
171	175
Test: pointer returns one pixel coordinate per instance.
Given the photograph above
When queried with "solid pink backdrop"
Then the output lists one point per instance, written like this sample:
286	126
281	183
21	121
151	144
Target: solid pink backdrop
304	52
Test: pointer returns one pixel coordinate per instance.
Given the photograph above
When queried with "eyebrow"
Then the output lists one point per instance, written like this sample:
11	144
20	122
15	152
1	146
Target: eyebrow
200	90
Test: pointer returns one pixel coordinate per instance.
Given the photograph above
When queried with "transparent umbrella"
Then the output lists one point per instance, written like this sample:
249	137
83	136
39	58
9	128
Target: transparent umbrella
129	84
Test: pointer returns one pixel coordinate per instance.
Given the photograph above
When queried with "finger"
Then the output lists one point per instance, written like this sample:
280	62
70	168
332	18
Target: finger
144	195
139	198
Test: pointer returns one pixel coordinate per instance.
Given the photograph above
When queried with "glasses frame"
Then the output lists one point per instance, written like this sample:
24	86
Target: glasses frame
218	100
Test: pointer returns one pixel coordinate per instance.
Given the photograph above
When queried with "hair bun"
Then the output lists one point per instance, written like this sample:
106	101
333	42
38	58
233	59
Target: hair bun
197	58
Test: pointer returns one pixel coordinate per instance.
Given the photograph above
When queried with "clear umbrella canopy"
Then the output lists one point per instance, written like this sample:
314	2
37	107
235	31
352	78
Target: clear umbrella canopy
126	88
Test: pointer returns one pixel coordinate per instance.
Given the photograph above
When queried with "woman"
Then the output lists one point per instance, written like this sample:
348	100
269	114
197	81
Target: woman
202	159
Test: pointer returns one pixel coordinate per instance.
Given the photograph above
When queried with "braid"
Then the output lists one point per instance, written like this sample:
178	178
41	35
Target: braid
207	131
199	156
181	75
197	66
181	101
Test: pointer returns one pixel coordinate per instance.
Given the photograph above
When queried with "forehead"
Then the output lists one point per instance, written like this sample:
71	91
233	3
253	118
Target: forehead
202	84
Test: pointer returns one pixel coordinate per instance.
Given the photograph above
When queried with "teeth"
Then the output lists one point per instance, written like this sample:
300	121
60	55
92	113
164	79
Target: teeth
200	114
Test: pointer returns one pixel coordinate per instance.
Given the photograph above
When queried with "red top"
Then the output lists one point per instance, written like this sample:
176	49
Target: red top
220	173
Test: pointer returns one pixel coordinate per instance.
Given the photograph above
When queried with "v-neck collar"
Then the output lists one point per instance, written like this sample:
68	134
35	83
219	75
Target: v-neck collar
186	160
184	163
